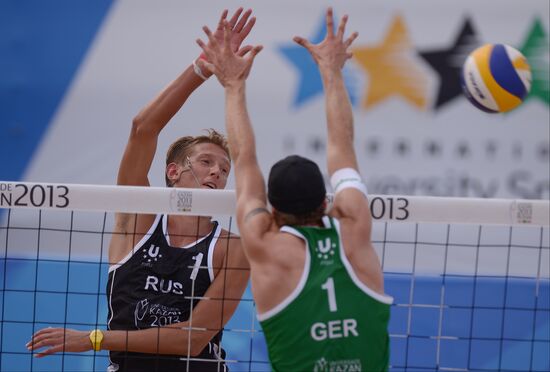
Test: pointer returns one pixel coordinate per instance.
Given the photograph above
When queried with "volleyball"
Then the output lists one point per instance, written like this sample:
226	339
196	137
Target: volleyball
496	78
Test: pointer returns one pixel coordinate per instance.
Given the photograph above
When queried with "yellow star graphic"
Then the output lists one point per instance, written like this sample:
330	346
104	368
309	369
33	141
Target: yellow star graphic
393	69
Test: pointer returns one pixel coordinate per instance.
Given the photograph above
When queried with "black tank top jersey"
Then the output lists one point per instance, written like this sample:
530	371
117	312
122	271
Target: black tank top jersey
153	287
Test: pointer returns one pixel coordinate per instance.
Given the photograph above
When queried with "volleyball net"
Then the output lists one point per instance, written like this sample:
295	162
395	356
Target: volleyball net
470	277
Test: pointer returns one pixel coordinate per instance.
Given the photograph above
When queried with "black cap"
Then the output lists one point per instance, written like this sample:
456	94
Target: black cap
295	185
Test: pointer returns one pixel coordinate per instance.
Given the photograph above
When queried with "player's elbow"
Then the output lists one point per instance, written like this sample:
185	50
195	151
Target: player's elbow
141	127
182	344
198	344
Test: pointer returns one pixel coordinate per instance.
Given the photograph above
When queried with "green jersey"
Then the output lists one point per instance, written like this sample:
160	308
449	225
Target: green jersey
331	321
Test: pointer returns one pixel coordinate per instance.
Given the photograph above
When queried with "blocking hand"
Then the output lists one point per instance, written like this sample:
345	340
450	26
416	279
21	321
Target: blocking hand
331	53
229	65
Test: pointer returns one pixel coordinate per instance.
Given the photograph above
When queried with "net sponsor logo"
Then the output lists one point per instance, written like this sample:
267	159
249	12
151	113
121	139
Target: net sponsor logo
523	212
181	201
344	365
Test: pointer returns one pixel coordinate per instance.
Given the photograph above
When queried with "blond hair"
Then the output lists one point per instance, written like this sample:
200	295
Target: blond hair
181	148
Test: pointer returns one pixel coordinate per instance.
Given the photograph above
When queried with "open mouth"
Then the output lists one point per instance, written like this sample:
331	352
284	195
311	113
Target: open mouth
210	185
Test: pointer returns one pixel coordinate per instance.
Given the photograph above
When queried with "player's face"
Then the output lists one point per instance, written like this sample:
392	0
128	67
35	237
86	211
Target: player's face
207	166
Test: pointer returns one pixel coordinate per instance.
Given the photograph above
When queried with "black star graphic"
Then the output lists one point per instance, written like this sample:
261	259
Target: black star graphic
517	151
433	148
491	149
402	148
317	144
544	151
463	150
372	146
448	63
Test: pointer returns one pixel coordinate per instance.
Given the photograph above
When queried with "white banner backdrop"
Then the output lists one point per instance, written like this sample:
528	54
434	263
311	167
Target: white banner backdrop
410	139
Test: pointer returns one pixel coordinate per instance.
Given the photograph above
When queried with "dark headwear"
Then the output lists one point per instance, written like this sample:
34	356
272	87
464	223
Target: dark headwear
295	185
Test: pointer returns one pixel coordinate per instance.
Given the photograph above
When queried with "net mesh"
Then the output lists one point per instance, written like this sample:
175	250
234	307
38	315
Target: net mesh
466	296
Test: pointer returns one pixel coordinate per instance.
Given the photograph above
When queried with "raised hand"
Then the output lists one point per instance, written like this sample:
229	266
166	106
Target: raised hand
229	65
331	53
57	340
240	27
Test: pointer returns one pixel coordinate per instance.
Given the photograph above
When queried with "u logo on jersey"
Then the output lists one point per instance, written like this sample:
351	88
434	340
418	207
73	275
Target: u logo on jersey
325	250
151	254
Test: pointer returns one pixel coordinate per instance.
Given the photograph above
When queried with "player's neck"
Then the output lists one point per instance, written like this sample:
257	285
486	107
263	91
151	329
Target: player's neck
186	229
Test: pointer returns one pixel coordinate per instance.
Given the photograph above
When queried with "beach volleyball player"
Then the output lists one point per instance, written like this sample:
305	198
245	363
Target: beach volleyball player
316	278
159	264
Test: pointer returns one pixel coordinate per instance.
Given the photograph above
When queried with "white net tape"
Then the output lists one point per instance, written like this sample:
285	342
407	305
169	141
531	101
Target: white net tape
470	277
132	199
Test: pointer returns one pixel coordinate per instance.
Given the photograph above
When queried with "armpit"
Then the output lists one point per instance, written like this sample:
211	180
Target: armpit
255	212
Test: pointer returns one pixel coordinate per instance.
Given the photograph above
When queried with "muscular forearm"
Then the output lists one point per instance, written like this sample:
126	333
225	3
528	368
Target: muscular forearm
162	108
164	340
239	129
339	121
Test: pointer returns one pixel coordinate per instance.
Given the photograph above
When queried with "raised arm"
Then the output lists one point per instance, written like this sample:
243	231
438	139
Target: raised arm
232	69
331	55
350	202
147	125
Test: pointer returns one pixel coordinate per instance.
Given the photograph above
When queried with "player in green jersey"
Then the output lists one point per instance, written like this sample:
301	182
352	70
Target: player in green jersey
316	278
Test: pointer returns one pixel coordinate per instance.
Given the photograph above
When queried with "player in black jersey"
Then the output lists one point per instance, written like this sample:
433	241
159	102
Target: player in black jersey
162	266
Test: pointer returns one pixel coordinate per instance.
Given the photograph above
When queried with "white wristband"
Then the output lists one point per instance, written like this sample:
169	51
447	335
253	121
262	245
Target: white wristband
347	178
198	70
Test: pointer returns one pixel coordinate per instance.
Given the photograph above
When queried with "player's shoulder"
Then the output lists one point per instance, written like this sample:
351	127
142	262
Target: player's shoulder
228	238
226	234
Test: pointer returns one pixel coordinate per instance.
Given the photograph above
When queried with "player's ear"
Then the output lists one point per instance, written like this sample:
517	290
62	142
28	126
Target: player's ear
173	171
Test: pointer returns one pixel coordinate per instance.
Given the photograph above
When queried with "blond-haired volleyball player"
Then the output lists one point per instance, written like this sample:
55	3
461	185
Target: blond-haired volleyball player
161	266
316	278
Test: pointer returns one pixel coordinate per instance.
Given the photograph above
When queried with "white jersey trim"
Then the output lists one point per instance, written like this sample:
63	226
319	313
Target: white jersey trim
385	299
211	248
138	246
111	303
301	284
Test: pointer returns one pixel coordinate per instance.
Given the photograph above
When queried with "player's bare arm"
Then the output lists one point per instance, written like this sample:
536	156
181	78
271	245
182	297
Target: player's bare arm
232	69
350	204
184	338
151	120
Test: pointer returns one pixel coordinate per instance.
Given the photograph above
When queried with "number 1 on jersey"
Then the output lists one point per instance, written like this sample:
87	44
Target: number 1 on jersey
196	266
329	287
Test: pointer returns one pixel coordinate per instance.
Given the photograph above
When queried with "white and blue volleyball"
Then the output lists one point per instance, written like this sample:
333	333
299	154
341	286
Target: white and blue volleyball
496	78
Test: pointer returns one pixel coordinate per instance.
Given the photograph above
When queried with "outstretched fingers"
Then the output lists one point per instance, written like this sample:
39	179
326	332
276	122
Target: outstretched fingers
227	33
235	17
350	39
211	39
330	22
254	52
245	49
222	18
205	49
51	350
342	27
303	42
46	337
247	28
242	21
